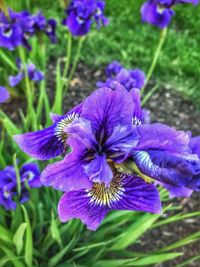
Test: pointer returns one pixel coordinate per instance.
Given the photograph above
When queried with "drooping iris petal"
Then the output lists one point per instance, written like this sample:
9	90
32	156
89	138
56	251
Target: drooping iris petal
76	204
98	170
170	168
49	142
162	137
107	108
68	174
15	80
177	191
33	73
43	144
4	94
126	192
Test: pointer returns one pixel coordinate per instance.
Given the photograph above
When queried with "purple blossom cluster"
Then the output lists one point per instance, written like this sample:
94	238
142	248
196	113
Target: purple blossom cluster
116	161
128	78
17	28
82	13
29	178
160	12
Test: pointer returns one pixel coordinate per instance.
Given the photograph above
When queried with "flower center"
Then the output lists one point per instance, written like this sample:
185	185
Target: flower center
8	32
160	8
105	196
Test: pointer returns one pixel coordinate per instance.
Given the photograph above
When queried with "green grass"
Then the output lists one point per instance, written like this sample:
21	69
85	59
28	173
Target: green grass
133	43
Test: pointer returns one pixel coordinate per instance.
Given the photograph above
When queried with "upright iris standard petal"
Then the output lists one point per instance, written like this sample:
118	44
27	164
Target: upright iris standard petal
68	174
4	94
107	108
126	192
49	142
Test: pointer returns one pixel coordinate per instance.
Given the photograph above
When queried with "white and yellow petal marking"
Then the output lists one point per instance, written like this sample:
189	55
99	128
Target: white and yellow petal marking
104	196
62	124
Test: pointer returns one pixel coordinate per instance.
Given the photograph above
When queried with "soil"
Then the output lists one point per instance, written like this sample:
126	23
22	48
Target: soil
167	106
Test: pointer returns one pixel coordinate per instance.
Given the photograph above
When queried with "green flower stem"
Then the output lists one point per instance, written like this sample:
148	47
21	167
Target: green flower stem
75	62
163	35
43	97
31	116
68	57
17	174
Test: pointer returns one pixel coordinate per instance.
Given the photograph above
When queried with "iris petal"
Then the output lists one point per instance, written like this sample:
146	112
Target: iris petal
126	192
68	174
107	108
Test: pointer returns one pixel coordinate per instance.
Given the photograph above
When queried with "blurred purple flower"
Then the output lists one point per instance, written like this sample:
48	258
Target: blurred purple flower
33	74
29	175
82	14
159	12
128	78
4	94
18	27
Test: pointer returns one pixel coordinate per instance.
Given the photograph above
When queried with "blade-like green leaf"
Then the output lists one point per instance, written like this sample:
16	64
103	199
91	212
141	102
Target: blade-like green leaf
133	232
18	237
29	241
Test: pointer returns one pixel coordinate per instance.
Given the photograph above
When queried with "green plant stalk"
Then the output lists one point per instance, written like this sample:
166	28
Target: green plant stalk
8	60
17	175
163	35
31	116
68	57
75	62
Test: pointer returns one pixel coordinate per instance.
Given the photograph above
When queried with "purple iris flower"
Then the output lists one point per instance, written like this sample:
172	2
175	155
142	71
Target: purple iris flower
4	94
115	161
159	12
10	33
29	175
82	13
33	74
128	78
101	136
18	27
